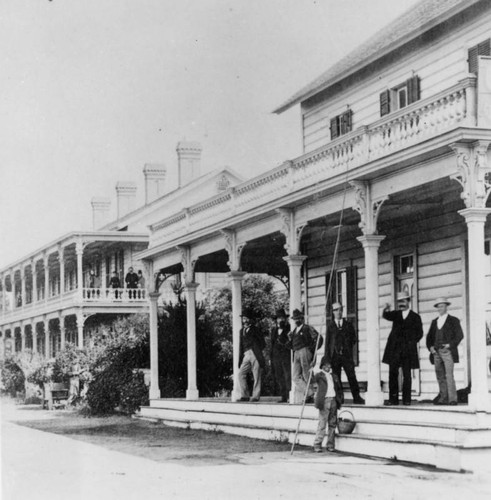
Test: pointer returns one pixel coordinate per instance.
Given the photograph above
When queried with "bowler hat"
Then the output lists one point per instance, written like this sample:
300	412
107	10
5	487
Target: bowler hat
403	296
280	313
441	300
297	314
336	306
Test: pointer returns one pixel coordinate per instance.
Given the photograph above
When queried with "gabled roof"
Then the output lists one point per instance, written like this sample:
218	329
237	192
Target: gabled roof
418	19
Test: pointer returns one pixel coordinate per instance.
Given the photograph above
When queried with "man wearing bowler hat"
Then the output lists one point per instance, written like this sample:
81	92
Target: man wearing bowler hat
303	341
444	335
340	340
401	350
280	354
251	352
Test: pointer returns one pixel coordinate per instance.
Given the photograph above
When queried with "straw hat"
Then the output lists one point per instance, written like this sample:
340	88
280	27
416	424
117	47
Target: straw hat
441	300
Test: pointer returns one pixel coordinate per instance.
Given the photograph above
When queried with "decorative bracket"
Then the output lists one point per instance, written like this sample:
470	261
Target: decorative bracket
293	233
187	263
474	173
233	249
368	208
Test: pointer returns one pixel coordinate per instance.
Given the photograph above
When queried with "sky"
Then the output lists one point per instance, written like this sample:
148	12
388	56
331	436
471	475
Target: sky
91	90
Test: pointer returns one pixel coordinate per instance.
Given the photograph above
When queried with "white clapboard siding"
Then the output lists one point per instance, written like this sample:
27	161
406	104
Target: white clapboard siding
440	65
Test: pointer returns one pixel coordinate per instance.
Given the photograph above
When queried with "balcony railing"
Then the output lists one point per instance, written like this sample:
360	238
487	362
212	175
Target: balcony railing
114	295
422	120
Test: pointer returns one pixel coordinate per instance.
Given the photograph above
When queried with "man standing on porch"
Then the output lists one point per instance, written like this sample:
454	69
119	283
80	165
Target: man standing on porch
251	348
280	354
303	342
401	350
340	340
444	335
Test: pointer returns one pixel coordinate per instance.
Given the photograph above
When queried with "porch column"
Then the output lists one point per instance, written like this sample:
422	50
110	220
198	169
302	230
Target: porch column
46	277
34	337
22	337
475	219
80	277
154	347
62	331
23	284
236	281
103	276
61	258
295	263
4	297
190	291
80	330
371	243
46	338
34	281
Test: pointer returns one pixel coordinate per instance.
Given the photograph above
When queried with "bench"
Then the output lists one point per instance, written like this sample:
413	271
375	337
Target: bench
55	395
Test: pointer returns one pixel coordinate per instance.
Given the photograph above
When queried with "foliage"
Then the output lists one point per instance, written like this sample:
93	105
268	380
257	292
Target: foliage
13	378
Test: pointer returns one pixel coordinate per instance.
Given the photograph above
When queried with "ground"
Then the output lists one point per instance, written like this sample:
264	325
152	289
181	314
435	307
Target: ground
60	454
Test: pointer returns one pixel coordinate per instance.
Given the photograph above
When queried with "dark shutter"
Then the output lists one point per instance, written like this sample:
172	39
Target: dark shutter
352	304
481	49
413	89
385	103
334	128
346	122
332	293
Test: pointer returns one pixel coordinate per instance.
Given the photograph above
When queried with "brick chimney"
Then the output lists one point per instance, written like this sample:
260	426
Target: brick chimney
154	181
188	161
100	212
126	198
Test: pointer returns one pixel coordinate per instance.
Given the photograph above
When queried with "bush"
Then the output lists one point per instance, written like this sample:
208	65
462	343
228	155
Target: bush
13	379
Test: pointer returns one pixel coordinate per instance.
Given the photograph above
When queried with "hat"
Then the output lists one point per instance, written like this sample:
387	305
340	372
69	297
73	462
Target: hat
403	296
441	300
297	314
280	313
337	305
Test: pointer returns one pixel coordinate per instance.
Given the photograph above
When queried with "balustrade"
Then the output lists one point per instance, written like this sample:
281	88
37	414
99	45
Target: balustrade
114	295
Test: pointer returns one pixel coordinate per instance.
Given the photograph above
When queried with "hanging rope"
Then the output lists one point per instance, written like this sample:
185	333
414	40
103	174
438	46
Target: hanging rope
326	310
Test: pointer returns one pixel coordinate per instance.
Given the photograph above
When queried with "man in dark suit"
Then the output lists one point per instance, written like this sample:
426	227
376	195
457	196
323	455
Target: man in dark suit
251	352
280	354
401	350
340	340
444	335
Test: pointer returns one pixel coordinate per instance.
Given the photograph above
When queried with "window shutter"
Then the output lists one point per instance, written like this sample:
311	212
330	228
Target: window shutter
413	93
334	128
385	103
347	120
481	49
352	304
330	299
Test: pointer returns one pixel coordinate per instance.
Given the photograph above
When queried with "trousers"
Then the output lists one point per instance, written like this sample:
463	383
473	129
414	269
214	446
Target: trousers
405	364
444	375
282	368
250	364
328	417
302	358
346	362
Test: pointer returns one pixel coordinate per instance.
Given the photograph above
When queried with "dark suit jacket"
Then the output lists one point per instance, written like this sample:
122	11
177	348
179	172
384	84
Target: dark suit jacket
403	338
321	381
348	334
258	344
452	332
306	335
279	342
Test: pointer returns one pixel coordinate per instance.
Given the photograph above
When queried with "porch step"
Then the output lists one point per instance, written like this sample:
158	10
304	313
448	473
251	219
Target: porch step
421	435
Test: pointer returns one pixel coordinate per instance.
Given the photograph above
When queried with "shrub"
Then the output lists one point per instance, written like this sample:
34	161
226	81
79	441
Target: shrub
13	378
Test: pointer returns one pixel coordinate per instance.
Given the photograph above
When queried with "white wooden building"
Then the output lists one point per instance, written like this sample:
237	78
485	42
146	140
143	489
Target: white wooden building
396	140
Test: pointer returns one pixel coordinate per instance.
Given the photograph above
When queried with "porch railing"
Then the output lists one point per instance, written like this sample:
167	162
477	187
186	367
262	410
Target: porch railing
114	294
422	120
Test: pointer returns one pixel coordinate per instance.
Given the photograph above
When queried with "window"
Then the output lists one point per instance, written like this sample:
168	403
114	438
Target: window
405	276
341	124
481	49
400	96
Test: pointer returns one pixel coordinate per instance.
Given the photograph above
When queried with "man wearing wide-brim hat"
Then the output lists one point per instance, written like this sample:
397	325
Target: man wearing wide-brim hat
444	336
401	350
280	354
251	355
303	342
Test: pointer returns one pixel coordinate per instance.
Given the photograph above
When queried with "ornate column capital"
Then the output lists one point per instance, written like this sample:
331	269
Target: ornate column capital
474	172
367	207
236	275
233	249
154	296
371	240
190	286
475	214
187	262
295	260
291	230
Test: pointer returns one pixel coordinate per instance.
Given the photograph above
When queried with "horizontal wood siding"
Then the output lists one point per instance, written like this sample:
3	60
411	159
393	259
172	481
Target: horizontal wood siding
440	66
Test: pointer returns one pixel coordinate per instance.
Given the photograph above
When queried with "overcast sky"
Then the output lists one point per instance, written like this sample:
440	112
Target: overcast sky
91	90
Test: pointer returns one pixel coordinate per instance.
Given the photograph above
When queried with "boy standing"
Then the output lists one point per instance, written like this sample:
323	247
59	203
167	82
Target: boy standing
328	399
